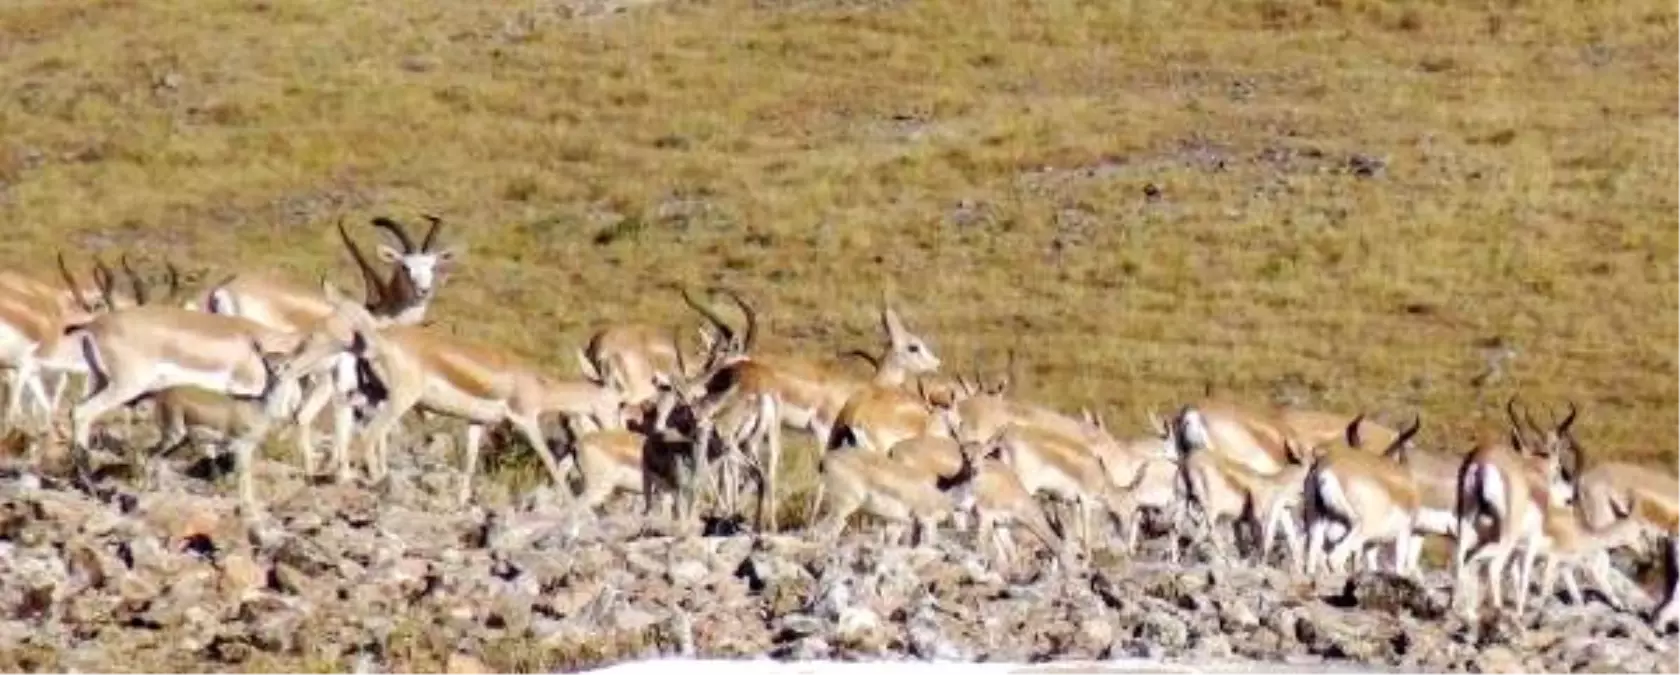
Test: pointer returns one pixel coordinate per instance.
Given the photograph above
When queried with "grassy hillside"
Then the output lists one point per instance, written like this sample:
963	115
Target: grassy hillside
1345	202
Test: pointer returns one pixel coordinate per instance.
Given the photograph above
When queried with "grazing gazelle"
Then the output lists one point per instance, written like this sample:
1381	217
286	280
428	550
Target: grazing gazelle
132	353
1567	544
1605	489
1506	488
1000	499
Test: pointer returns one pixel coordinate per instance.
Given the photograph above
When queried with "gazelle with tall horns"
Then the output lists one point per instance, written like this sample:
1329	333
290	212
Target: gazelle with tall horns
1373	498
1504	493
402	297
643	354
809	394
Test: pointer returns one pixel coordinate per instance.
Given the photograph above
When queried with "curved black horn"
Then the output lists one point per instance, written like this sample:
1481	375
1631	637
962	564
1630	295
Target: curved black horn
431	235
75	287
133	280
107	281
1405	436
750	337
174	277
863	355
370	278
397	230
1517	432
1009	373
1568	420
710	314
1353	439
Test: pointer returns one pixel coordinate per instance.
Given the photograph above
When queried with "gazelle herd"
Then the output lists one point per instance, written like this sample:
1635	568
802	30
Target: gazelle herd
252	354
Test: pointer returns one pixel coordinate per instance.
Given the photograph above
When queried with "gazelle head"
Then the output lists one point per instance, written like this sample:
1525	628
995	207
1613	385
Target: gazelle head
906	351
1547	447
104	284
144	294
1189	429
416	270
1166	433
718	337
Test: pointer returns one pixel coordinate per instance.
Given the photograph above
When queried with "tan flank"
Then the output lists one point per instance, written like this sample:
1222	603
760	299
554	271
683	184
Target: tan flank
430	370
1000	500
1371	497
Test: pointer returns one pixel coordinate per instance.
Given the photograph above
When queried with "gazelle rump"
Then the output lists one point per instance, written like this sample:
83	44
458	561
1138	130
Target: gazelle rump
1372	497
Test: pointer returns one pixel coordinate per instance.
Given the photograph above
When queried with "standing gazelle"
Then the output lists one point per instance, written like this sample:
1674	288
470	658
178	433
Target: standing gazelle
1372	497
430	370
1506	489
808	394
402	298
133	353
640	354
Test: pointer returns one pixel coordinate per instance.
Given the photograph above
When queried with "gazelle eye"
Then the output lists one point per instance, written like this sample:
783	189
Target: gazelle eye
915	349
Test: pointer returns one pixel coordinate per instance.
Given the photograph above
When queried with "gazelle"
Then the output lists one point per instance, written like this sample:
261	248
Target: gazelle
428	370
1506	488
856	478
143	350
1603	490
401	298
1247	437
658	459
1146	467
1000	500
1568	543
1064	469
1372	497
643	353
809	395
1220	487
33	314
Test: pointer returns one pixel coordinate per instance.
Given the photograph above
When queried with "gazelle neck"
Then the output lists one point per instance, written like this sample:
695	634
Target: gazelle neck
891	373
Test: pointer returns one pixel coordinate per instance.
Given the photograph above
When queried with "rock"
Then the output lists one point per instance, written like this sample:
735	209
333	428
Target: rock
179	517
240	576
687	573
1166	630
632	620
462	664
858	627
1235	615
1498	659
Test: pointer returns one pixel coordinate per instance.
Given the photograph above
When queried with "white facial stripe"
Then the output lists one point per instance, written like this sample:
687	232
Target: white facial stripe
422	270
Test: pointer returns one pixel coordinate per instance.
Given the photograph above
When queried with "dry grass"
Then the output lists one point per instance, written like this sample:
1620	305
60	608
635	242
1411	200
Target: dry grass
986	161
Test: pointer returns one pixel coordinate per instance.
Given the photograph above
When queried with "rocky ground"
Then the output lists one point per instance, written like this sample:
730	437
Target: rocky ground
338	578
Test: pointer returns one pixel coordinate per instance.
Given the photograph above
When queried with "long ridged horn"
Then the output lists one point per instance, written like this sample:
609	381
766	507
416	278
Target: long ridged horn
710	315
374	286
133	280
75	286
431	235
397	230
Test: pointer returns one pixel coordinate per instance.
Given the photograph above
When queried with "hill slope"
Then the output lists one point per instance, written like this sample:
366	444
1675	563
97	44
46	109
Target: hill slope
1343	201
